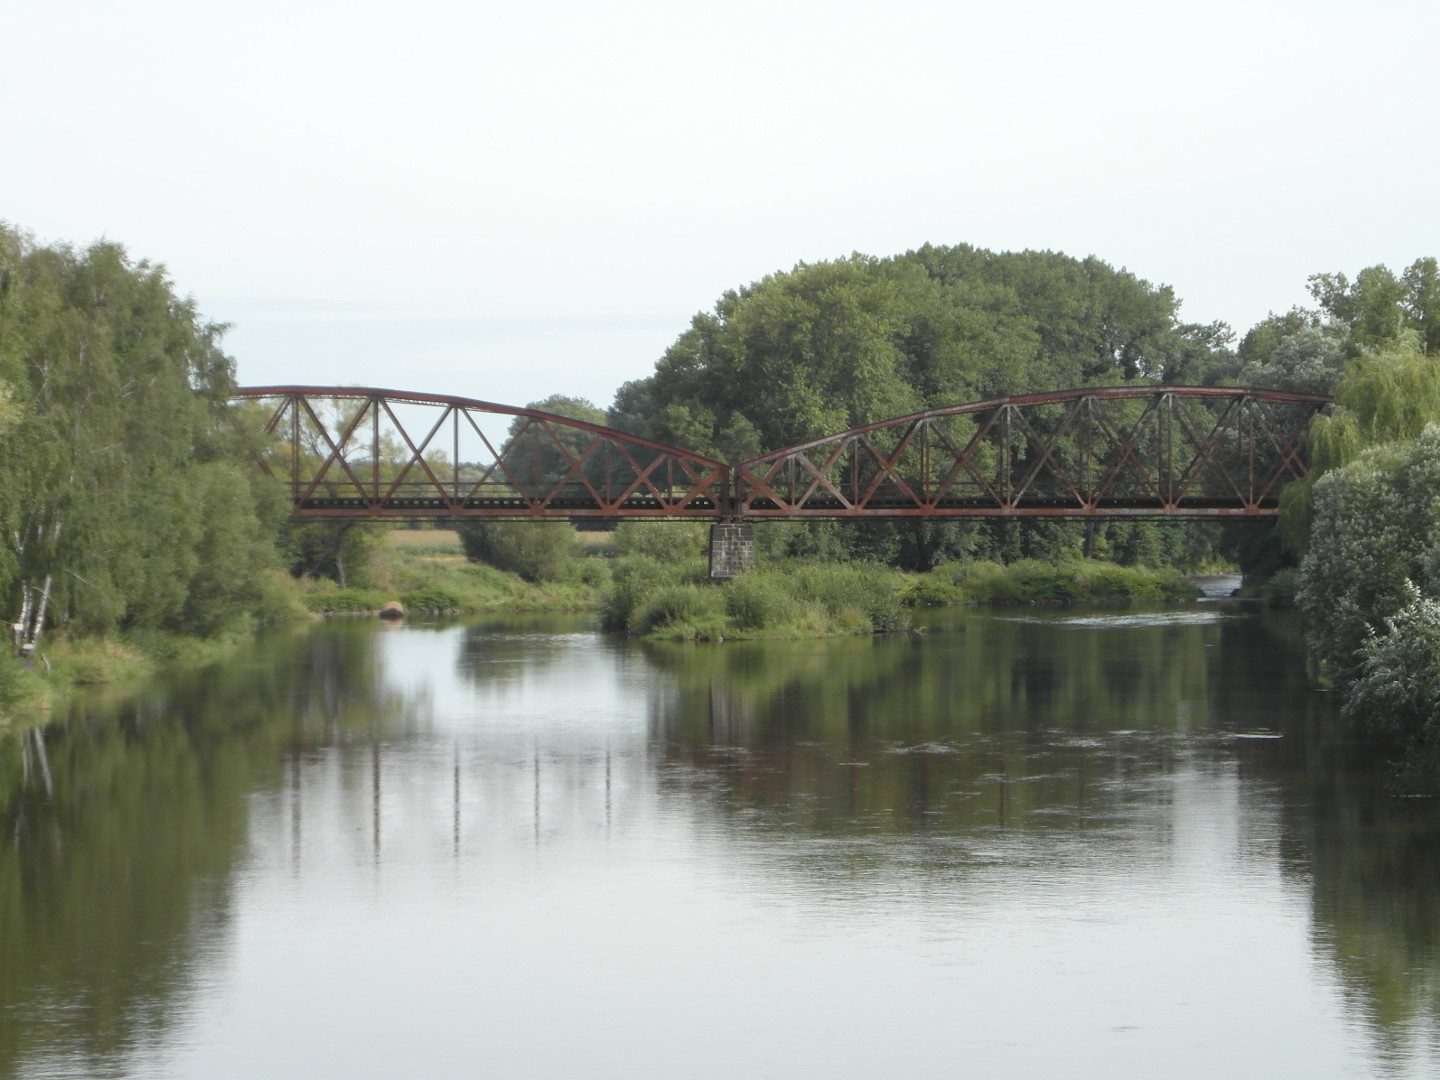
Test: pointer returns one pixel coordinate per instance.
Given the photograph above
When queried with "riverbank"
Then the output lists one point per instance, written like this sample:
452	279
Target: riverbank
644	595
674	601
425	571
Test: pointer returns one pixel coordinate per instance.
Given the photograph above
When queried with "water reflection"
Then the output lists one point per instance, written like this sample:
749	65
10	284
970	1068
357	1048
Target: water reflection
1091	825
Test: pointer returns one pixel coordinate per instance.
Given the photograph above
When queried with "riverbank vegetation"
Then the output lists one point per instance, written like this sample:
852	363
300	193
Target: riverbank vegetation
135	521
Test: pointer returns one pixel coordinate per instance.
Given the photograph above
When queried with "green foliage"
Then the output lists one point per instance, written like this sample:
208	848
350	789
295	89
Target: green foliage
1032	581
661	599
344	601
1388	394
1376	521
637	577
759	602
930	592
663	540
1378	307
833	345
336	549
125	494
432	598
536	550
1280	590
683	612
1396	692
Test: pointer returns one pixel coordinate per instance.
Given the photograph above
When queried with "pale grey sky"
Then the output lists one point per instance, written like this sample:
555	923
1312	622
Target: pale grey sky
510	201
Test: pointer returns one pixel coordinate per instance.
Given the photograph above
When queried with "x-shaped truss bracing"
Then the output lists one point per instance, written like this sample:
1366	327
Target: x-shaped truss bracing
350	452
1135	451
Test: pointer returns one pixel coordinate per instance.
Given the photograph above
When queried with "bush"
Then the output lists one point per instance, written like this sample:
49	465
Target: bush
668	541
432	598
279	600
929	592
1281	588
1397	691
337	601
853	594
536	550
685	611
1030	581
762	602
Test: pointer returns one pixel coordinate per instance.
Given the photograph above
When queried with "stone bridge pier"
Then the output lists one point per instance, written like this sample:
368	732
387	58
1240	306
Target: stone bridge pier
732	550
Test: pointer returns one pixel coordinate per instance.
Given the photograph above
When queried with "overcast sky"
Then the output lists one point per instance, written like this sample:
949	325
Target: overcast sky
509	201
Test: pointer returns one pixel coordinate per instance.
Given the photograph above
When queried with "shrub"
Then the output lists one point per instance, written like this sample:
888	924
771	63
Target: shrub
1280	589
634	578
1397	690
683	610
668	541
337	601
536	550
852	594
761	602
432	598
929	592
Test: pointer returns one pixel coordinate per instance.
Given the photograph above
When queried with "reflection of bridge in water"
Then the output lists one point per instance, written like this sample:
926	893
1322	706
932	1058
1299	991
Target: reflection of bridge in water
1111	452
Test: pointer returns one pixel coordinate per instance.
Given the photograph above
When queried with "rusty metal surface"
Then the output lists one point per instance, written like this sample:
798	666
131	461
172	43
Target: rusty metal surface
1135	451
362	452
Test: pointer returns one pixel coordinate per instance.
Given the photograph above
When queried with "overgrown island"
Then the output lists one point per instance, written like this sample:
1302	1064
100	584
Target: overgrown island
138	533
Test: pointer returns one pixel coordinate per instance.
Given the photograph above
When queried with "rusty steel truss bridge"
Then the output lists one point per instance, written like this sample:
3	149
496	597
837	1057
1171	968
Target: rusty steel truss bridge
1107	452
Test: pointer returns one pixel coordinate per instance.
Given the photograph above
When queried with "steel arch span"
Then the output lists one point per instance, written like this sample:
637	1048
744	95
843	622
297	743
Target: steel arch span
361	452
1134	451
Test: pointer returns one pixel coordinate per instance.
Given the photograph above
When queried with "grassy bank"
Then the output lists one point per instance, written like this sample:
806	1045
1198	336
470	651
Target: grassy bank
651	582
426	571
29	686
672	600
1032	582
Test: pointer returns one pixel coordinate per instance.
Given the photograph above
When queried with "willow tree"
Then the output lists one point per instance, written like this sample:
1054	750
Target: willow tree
1388	394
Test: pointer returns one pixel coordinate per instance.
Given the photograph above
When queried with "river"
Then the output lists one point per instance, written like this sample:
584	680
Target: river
1079	843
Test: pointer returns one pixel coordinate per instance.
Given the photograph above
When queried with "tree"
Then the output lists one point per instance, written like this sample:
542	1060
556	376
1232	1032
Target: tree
828	346
1378	307
1388	394
536	550
1376	524
119	430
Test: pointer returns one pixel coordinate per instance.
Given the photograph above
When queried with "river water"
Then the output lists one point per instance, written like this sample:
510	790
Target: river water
1118	843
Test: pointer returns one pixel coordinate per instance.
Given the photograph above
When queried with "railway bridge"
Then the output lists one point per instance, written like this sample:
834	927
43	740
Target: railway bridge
1143	451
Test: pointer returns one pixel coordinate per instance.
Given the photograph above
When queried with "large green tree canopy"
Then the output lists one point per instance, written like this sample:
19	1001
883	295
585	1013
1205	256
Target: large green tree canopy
833	345
127	500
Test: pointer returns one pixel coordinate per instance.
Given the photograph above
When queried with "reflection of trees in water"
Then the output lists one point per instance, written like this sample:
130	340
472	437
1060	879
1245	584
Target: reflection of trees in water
1371	862
504	648
994	721
902	758
123	824
1373	865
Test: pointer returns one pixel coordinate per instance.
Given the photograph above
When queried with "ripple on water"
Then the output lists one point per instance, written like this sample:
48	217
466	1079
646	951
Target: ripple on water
1126	620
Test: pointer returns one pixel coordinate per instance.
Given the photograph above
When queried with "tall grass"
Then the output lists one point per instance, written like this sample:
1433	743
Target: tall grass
1031	581
673	600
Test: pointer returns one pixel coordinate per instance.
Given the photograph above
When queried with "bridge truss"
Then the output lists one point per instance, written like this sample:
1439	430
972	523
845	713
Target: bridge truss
353	452
1135	451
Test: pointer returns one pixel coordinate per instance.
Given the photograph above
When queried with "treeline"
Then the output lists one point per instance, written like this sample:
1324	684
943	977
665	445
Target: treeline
126	500
834	345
